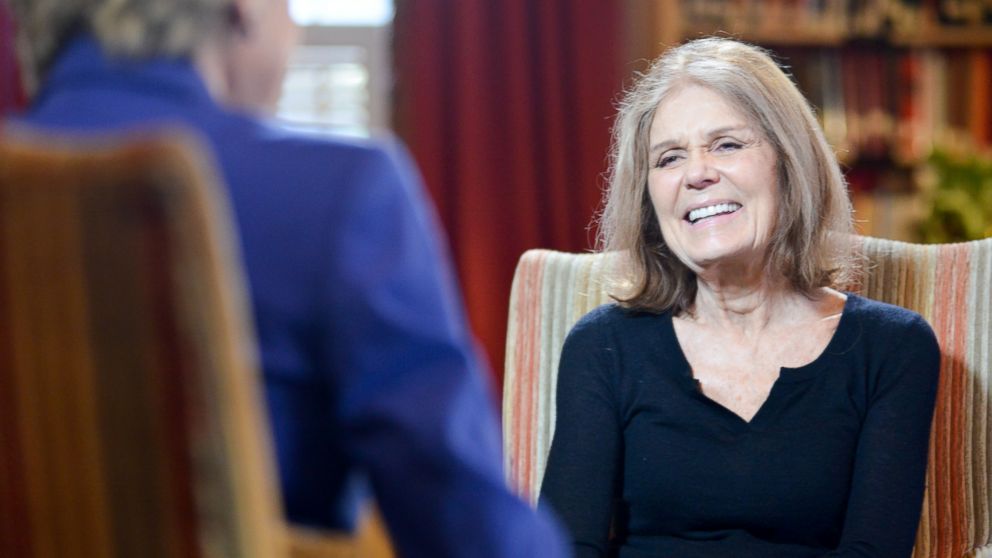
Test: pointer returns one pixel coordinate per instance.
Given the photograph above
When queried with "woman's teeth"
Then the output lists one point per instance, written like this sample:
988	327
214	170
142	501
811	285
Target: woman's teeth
711	210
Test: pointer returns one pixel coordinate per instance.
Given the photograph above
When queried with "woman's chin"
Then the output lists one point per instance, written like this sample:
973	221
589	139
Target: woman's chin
723	260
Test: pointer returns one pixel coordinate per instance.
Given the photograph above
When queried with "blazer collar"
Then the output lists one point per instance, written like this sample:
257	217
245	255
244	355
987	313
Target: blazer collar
83	63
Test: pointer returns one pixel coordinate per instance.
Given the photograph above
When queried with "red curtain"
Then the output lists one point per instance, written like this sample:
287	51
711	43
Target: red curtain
11	95
506	106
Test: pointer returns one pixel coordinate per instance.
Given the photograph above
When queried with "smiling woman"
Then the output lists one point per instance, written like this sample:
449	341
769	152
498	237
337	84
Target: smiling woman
735	402
714	188
813	213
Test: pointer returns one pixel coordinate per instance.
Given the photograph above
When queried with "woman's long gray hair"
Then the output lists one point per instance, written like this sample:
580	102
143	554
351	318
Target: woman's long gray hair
810	246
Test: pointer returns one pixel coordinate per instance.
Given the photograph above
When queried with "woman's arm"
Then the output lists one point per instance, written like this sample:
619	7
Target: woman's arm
583	465
886	496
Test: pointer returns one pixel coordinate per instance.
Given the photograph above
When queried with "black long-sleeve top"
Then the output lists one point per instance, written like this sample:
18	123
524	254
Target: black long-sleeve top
832	464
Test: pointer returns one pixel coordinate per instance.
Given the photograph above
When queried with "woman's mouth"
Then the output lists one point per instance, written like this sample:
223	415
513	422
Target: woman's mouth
708	211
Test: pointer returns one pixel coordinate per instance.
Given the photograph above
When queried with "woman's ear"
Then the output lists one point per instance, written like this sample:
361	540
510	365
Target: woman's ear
252	59
238	17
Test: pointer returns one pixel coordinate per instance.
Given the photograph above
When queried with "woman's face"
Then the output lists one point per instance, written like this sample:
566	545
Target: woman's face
713	180
256	64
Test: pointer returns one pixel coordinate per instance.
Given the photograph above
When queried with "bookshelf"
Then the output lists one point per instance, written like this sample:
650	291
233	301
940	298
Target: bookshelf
936	37
891	80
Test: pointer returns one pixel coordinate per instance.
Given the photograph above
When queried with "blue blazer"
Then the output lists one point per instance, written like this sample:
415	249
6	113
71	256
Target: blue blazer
370	372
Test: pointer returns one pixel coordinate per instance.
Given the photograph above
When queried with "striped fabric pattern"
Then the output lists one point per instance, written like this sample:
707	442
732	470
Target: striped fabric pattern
950	285
130	418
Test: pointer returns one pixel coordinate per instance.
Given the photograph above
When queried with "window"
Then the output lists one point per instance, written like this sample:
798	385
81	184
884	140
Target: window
337	13
339	77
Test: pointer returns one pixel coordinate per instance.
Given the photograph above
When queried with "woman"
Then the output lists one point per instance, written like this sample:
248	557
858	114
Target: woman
735	403
369	370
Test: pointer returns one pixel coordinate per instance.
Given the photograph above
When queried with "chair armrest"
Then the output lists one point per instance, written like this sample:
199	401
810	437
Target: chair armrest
370	541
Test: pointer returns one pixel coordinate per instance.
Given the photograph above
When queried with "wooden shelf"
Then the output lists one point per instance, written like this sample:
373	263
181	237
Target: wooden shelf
774	37
946	37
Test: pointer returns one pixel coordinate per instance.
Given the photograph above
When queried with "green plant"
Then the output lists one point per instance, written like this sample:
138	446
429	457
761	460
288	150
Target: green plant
959	186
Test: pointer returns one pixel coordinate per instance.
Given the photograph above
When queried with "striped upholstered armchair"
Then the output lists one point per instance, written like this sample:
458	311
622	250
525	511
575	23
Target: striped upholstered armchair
950	285
130	419
130	416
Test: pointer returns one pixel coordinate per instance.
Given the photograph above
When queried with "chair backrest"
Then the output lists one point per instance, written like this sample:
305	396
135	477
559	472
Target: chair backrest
130	411
950	285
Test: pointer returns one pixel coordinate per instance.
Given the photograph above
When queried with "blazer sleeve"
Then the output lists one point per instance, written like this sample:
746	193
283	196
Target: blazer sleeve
412	390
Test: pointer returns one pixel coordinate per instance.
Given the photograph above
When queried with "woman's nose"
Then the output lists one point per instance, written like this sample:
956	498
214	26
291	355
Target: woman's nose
700	172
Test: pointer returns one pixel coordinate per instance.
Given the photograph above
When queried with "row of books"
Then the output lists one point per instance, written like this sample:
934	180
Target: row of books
837	18
879	104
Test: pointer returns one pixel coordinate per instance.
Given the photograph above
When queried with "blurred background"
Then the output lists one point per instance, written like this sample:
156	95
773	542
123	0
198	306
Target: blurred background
506	105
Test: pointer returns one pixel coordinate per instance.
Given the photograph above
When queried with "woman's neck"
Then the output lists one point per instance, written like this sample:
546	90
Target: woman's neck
750	303
209	62
747	306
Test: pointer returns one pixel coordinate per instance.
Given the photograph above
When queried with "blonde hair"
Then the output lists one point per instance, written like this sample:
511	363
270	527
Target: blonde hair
125	28
810	246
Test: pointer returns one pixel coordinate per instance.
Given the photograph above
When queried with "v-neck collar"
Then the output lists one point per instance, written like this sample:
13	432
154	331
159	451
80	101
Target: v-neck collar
847	331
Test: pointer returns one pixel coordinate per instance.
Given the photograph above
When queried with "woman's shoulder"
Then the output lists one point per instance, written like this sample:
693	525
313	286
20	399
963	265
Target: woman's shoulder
605	341
327	149
899	346
884	320
614	315
339	176
884	314
615	324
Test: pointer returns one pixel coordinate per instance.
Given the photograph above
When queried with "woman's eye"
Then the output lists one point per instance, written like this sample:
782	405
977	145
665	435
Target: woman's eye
728	145
666	160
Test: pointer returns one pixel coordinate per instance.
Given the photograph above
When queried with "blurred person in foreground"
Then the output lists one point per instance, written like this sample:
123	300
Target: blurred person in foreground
734	402
369	369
